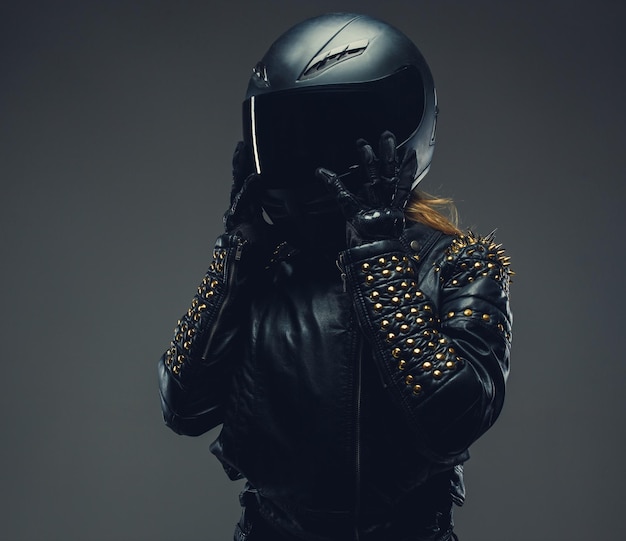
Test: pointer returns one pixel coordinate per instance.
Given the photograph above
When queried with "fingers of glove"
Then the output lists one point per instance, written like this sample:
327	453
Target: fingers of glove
387	154
236	163
369	192
406	176
244	205
242	163
236	171
367	159
243	200
348	202
237	156
248	189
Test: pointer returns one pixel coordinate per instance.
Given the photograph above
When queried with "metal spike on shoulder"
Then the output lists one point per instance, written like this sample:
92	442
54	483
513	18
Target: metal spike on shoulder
484	250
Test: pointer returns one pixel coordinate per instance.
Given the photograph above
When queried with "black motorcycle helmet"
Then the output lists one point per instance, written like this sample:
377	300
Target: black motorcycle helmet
321	86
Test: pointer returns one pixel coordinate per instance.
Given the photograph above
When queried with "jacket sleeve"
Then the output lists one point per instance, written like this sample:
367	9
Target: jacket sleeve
440	328
194	371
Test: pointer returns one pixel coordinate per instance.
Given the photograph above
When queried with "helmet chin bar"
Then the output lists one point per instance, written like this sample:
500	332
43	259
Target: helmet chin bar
310	218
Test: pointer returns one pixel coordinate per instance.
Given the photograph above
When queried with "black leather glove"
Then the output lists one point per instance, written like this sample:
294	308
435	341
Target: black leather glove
377	211
245	211
244	214
242	167
244	218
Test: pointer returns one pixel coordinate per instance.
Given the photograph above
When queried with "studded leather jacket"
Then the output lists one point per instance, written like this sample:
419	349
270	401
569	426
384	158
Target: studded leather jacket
350	389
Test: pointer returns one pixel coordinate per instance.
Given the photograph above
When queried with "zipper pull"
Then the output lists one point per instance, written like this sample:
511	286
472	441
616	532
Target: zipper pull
239	249
339	264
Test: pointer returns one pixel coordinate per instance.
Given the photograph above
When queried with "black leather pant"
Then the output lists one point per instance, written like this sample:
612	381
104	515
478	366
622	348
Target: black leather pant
261	531
253	527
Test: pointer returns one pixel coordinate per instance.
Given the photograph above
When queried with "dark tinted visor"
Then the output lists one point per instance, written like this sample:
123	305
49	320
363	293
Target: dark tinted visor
292	133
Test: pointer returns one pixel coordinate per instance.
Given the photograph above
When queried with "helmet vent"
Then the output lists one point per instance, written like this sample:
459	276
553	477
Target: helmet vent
260	72
332	57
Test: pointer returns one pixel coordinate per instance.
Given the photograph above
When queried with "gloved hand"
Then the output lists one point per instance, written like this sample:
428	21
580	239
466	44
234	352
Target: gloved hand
244	213
242	167
377	211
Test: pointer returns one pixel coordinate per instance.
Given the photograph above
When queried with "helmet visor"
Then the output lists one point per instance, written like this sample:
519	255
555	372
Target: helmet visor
292	133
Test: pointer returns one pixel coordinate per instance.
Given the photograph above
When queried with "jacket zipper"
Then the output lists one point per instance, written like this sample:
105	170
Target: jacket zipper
357	406
357	431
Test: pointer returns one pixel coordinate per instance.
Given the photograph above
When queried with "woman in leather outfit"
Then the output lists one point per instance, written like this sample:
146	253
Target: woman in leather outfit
351	340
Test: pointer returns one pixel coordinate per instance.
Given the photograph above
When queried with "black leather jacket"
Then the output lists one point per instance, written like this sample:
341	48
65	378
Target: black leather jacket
350	390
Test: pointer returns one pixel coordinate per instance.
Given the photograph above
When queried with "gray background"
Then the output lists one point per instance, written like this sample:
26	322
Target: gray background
117	124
